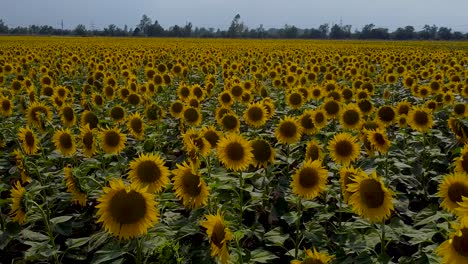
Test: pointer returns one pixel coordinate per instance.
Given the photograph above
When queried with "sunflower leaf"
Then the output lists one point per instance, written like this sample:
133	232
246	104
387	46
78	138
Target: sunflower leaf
262	256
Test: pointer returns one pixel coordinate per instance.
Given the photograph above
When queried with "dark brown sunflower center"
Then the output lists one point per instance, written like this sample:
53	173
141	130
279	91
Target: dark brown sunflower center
379	139
316	92
459	109
372	194
230	122
347	94
403	109
237	91
218	234
421	118
319	117
308	177
226	98
184	92
365	106
136	124
148	171
309	260
235	151
177	107
133	99
332	107
261	150
36	113
191	184
222	112
386	114
98	100
456	191
6	105
112	138
460	243
127	208
351	117
91	119
109	91
68	113
29	138
255	113
191	115
88	140
212	137
307	122
117	113
65	141
288	129
313	153
344	148
464	162
295	99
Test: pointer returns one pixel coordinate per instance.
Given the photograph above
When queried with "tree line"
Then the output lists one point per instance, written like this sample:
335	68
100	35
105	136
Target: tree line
237	29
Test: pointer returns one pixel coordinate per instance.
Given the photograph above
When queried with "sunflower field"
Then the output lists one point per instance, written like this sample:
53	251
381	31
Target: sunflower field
131	150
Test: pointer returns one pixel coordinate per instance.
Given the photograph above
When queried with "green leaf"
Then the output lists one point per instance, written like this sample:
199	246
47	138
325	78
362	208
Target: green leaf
262	256
33	236
275	237
102	256
77	242
61	219
290	217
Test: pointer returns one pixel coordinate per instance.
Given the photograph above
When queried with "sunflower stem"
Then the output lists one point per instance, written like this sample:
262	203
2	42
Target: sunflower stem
2	221
48	229
241	198
266	188
298	226
138	247
382	242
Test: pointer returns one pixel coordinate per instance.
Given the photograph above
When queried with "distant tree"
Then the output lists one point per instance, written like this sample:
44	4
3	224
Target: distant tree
444	33
340	32
428	32
3	27
324	28
187	31
290	31
236	28
155	30
144	24
80	30
457	35
404	33
136	31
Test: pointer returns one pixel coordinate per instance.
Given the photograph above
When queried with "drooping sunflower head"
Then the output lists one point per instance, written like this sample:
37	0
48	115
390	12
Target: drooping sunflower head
235	152
307	122
29	141
420	119
189	186
378	140
351	117
148	172
288	131
112	140
344	148
459	129
36	113
6	106
126	211
455	249
65	142
18	207
73	187
194	141
370	198
263	153
347	176
269	107
314	257
452	188
154	113
89	118
136	126
313	151
309	180
88	143
219	235
211	135
461	163
255	115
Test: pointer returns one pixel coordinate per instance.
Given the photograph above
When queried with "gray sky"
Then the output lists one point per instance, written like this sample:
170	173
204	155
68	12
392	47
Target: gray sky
219	13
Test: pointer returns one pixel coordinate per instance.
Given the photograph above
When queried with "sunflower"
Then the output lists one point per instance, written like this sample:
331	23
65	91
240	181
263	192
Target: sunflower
67	115
148	173
237	91
351	117
288	131
126	211
313	151
211	135
176	109
347	176
29	141
18	208
225	99
6	106
420	119
136	126
295	100
89	118
235	152
459	129
344	148
366	106
314	257
309	180
269	106
451	190
133	99
378	140
112	140
263	153
192	116
461	163
230	122
117	113
332	108
65	142
189	186
194	141
219	236
460	110
35	112
402	121
370	198
307	123
386	114
455	249
73	187
403	108
255	115
88	143
154	113
320	118
183	92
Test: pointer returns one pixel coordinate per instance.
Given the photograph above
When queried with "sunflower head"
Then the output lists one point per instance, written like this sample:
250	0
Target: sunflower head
189	186
136	126
112	140
28	140
378	140
255	115
148	172
211	135
235	152
307	122
332	108
126	211
386	114
455	249
288	131
344	148
176	109
192	116
347	176
73	187
314	257
309	180
420	119
88	143
65	142
313	151
452	188
219	236
263	153
230	122
351	117
18	207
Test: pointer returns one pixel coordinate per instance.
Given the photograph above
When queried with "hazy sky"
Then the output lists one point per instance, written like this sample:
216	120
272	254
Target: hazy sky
219	13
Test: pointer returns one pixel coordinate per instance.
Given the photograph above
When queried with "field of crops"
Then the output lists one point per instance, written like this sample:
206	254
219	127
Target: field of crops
232	151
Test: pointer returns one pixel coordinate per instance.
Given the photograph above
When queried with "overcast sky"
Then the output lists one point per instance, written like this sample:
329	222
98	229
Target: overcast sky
219	13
